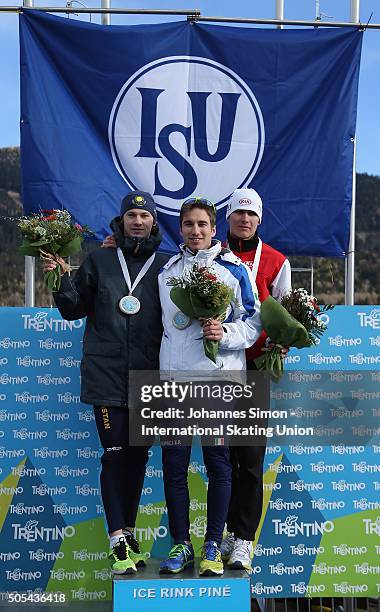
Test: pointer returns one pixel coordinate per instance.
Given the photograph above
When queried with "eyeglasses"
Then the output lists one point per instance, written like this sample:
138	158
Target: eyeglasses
203	201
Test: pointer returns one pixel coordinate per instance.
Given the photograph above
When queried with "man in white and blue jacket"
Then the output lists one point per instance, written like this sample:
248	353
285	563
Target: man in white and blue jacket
182	352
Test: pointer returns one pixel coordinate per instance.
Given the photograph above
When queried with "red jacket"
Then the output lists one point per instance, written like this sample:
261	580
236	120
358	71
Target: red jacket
273	276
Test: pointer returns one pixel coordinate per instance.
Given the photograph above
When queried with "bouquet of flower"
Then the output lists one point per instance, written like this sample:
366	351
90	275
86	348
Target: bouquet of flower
294	322
51	234
199	295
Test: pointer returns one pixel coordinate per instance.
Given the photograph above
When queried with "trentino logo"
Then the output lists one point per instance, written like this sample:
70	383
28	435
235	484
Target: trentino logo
370	320
186	125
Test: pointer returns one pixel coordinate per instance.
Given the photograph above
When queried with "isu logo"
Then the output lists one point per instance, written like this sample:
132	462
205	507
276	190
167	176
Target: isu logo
183	126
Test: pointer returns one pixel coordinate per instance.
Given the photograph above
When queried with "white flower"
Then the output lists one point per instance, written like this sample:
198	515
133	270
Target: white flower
40	231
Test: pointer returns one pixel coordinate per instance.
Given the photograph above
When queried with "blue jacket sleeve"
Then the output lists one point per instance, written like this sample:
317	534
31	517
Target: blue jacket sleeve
246	326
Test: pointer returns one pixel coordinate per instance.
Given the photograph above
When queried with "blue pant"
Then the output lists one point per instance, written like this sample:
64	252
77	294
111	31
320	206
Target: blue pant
175	463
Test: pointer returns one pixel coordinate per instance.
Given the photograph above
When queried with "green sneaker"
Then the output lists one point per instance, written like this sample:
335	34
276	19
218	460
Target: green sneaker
211	560
135	553
121	562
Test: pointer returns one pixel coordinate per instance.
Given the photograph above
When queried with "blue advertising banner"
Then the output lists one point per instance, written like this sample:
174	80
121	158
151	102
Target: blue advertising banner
182	109
320	530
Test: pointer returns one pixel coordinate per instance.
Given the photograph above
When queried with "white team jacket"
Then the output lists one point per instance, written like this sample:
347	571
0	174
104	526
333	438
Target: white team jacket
183	349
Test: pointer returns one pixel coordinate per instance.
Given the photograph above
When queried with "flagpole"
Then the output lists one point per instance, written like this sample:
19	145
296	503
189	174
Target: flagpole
106	17
193	13
355	10
258	21
350	259
29	262
280	13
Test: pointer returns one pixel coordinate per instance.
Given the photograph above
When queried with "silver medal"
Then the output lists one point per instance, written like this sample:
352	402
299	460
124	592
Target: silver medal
129	304
181	321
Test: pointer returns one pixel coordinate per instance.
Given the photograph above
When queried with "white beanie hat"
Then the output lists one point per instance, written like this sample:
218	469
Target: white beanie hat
245	199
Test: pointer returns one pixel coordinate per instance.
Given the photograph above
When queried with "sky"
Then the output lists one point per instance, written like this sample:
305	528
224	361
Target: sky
368	122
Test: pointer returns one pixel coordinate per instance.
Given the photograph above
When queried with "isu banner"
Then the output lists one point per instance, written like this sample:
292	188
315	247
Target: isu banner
182	109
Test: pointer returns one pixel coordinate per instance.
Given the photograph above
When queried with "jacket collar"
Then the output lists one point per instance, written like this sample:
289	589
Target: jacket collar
205	257
241	246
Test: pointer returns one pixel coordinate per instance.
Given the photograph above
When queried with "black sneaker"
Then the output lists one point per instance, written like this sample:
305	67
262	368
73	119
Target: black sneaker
135	553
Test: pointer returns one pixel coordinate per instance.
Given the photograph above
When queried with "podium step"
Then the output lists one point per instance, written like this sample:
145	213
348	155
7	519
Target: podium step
187	591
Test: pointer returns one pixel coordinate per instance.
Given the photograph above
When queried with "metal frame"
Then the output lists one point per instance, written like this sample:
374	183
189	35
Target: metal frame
318	604
195	15
95	10
192	15
284	22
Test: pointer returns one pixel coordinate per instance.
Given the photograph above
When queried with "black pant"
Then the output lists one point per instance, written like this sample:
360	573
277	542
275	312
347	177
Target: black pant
175	463
123	467
246	503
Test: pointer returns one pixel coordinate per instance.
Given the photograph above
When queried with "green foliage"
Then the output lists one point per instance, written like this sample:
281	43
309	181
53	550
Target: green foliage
28	249
71	247
204	291
53	279
57	234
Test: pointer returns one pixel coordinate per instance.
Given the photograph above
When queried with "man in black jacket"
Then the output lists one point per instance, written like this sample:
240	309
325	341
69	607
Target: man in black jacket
117	290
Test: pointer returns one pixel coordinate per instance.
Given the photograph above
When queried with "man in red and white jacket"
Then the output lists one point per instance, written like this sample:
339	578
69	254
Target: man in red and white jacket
272	273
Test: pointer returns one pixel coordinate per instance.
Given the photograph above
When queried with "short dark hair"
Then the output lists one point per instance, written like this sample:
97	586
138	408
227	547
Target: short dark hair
202	204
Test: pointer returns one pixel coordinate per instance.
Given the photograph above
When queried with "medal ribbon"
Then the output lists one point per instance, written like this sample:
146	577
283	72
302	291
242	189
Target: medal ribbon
126	274
256	261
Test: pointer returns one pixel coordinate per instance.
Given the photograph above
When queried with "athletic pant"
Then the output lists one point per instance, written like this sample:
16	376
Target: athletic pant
123	467
175	463
246	503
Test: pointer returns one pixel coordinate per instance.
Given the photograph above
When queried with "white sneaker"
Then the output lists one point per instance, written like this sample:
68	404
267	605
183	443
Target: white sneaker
241	556
227	546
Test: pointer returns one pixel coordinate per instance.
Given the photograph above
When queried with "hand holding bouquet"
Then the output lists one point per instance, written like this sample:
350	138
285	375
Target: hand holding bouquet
294	322
51	235
199	295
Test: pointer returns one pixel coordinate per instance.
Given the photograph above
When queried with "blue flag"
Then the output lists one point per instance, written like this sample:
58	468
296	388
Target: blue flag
183	110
